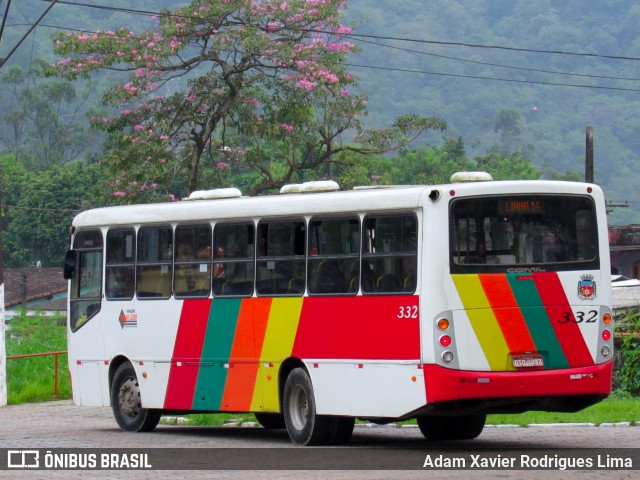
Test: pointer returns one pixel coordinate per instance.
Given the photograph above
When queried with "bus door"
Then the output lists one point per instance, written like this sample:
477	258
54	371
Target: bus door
84	329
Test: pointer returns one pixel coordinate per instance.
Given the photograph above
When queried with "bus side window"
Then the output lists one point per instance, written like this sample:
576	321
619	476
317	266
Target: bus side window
389	258
120	265
192	264
86	285
334	247
154	270
233	263
281	262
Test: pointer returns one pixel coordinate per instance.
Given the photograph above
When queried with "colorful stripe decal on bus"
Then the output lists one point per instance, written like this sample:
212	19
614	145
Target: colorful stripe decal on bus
228	350
514	313
567	330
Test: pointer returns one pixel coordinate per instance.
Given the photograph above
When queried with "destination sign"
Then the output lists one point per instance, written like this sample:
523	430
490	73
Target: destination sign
520	206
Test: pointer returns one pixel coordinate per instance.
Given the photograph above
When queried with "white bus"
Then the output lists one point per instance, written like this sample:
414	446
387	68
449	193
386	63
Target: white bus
441	303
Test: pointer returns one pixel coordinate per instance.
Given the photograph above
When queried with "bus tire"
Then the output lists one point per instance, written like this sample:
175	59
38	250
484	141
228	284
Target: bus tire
340	430
270	421
126	402
304	426
465	427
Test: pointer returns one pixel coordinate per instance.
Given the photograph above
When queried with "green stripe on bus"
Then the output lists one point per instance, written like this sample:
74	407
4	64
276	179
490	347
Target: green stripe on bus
535	315
221	328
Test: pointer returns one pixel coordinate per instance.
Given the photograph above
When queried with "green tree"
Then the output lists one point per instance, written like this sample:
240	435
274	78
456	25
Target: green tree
264	82
37	216
430	165
41	117
507	166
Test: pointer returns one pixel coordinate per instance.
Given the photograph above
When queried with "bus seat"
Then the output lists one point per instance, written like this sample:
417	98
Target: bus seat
388	282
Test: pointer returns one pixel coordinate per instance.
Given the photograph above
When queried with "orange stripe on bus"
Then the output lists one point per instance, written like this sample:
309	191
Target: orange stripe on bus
243	363
510	319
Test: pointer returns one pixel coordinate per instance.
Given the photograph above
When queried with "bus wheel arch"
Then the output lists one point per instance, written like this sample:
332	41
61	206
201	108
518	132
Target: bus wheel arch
114	364
126	401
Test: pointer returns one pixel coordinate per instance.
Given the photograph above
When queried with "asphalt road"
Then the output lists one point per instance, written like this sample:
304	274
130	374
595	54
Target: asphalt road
61	425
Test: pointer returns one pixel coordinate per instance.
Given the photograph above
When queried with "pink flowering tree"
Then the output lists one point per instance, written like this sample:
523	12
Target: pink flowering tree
230	84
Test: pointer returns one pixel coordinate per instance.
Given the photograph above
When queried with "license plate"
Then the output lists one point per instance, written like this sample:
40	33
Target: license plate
527	361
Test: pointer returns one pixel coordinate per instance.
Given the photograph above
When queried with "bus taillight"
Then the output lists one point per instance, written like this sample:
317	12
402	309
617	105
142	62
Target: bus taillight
443	323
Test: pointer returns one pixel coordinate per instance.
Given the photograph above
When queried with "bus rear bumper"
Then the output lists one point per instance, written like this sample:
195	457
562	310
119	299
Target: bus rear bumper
444	385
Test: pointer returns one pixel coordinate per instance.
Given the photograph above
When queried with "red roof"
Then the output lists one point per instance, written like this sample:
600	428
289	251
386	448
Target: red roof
32	284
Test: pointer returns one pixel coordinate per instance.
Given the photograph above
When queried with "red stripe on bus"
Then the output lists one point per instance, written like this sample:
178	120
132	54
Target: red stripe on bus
562	319
363	327
188	352
241	379
509	316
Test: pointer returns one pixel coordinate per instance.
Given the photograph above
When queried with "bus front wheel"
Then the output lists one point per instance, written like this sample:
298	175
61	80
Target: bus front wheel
126	402
304	426
465	427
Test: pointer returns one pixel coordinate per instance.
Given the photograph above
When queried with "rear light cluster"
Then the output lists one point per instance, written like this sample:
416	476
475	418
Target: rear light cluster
606	335
444	338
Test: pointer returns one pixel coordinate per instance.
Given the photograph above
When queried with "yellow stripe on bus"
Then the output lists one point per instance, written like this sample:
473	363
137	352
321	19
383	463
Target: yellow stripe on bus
484	322
278	343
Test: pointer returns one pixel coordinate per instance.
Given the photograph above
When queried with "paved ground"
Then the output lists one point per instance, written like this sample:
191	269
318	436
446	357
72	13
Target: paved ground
62	425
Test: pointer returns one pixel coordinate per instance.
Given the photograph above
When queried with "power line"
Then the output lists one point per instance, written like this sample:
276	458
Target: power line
497	79
402	70
444	74
4	19
477	62
4	60
362	35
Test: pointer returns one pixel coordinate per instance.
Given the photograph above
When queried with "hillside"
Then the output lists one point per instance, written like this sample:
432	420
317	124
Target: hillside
553	118
468	86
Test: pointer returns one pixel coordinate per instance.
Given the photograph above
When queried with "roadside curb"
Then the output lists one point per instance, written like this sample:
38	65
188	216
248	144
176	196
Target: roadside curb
172	420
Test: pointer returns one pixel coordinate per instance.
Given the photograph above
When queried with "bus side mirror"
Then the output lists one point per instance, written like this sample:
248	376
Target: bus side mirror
69	265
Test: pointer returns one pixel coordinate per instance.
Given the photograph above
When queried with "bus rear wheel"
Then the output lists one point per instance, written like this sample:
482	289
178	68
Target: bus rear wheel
340	430
465	427
126	402
304	426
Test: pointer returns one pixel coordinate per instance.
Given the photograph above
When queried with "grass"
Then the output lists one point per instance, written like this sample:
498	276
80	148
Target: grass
32	379
611	410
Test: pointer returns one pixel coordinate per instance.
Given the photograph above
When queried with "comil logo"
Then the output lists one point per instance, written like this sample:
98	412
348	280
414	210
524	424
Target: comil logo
23	459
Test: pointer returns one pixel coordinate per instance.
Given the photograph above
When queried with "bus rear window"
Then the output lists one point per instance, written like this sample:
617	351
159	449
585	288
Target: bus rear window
523	231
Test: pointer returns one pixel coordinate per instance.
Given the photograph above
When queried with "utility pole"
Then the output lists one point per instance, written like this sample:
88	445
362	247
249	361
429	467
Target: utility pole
588	160
3	348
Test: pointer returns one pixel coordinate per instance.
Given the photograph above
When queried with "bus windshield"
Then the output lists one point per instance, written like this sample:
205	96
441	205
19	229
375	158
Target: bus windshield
495	233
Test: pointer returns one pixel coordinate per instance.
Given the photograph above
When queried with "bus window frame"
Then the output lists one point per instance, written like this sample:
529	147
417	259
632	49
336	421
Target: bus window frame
156	263
281	258
391	255
76	281
131	264
224	261
196	261
313	257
